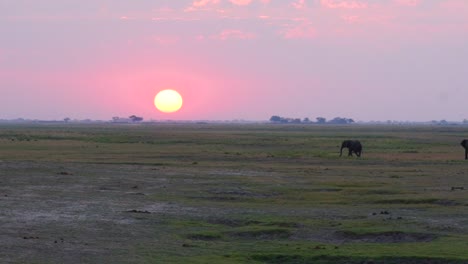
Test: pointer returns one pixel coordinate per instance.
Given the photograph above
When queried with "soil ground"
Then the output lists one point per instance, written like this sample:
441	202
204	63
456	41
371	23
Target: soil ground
206	193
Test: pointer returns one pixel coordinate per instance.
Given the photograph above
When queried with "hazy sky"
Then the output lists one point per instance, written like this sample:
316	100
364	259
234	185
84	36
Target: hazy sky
235	59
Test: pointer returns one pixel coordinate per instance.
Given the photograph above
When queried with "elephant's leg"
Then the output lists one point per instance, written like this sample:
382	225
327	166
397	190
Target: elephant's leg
350	152
466	153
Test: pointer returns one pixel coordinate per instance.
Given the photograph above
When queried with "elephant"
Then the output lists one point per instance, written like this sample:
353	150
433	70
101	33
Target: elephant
352	146
464	144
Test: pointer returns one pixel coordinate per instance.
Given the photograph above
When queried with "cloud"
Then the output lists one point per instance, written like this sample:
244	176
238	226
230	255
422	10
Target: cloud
202	3
343	4
234	34
408	2
300	4
124	18
241	2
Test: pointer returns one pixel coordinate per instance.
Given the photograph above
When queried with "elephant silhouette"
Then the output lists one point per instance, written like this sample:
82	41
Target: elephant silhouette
464	144
352	146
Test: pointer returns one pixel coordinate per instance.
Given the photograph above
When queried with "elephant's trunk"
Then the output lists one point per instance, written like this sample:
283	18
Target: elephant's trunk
341	151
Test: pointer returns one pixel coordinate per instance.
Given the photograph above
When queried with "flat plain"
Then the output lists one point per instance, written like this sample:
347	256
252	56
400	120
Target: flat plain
232	193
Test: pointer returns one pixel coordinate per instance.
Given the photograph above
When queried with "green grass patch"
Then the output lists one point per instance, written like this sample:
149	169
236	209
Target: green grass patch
418	201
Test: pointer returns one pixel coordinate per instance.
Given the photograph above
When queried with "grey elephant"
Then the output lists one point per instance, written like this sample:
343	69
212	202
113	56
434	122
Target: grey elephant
464	144
352	146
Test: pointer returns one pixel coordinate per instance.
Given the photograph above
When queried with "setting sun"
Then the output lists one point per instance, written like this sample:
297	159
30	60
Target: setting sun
168	101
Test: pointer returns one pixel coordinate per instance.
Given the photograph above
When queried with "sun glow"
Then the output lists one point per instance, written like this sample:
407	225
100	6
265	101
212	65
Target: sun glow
168	101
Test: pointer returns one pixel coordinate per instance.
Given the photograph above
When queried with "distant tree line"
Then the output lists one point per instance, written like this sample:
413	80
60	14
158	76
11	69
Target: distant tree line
132	118
319	120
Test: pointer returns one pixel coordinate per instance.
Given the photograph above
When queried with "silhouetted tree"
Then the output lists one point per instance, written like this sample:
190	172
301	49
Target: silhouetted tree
66	119
321	120
135	118
306	120
340	120
275	118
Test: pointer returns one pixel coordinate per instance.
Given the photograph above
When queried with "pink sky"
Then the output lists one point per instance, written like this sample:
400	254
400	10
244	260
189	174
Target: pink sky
235	59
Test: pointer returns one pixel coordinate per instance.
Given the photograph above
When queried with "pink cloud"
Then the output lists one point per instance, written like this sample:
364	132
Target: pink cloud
234	34
300	4
408	2
300	31
241	2
344	4
202	3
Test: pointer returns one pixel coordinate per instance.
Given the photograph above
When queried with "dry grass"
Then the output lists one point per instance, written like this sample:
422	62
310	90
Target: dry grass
231	194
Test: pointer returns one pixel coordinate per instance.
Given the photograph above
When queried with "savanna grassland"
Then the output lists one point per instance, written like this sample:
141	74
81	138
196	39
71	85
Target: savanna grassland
206	193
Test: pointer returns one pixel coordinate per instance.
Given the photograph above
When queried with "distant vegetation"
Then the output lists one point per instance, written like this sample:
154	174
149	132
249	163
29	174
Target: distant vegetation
273	119
130	119
135	118
320	120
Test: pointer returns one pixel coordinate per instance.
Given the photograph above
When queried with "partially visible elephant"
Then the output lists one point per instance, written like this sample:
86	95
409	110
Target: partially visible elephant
352	146
464	144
